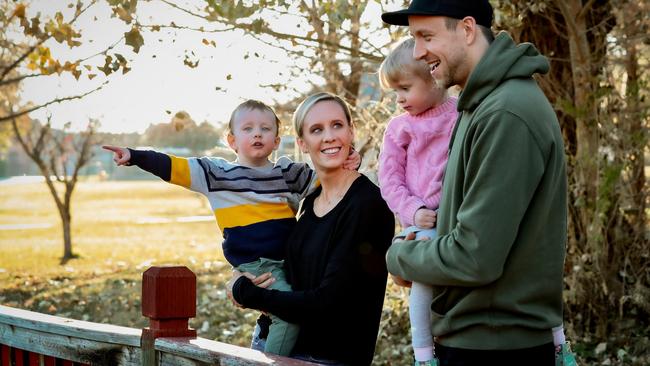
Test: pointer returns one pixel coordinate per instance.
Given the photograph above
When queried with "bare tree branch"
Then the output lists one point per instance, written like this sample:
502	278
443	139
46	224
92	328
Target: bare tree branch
18	79
57	100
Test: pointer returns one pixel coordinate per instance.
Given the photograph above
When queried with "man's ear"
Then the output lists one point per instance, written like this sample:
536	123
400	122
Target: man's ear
470	29
231	141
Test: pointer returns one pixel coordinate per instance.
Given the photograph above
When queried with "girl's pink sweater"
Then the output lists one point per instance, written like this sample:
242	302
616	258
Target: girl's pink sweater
413	159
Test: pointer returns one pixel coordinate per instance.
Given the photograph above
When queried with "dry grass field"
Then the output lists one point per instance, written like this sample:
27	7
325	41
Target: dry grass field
115	226
119	229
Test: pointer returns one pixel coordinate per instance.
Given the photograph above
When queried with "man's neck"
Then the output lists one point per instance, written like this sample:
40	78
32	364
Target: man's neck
475	53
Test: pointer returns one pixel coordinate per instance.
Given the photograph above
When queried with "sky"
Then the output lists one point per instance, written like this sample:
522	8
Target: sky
159	84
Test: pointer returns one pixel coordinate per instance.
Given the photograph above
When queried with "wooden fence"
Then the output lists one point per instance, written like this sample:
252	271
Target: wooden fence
168	300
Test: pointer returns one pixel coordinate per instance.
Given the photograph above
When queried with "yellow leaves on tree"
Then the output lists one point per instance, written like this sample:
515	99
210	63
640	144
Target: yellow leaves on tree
62	31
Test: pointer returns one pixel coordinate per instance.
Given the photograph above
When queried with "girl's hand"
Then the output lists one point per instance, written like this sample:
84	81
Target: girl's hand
121	155
425	218
353	162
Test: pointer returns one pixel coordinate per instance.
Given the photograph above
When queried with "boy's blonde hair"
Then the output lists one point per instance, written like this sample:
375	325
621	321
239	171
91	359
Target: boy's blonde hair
252	104
399	62
307	104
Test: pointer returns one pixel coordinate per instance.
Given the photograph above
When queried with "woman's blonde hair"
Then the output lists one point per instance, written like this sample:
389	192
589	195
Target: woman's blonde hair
400	62
307	104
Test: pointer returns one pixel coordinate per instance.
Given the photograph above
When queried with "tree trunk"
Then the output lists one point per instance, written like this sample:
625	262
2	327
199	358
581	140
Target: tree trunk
67	237
585	116
636	128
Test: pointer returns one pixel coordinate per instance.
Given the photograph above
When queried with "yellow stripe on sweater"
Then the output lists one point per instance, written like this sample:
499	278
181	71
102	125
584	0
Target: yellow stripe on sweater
180	172
243	215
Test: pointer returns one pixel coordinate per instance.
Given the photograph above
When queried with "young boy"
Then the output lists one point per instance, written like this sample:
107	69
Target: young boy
254	200
411	166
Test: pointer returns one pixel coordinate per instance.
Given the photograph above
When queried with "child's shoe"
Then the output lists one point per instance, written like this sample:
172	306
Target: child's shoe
433	362
564	356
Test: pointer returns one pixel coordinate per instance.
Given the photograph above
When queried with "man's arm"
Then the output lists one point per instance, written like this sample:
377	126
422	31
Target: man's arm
498	186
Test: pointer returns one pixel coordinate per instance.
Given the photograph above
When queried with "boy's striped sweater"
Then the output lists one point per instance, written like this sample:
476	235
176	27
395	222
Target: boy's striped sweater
255	208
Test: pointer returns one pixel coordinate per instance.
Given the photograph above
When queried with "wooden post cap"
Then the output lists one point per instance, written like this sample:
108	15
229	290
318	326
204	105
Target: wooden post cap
169	300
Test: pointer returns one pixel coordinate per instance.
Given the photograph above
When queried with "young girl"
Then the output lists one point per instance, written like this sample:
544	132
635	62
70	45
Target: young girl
411	167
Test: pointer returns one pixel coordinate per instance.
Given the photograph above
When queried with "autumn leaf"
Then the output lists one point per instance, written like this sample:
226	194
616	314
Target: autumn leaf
123	15
106	69
134	39
19	11
228	77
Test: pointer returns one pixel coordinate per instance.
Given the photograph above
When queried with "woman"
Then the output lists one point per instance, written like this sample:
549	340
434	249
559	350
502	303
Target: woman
335	255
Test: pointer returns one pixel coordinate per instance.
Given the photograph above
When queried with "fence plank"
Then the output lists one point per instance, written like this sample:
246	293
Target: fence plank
69	348
75	328
19	357
201	352
6	355
34	359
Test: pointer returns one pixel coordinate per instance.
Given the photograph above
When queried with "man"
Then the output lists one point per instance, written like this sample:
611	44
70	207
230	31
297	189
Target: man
497	264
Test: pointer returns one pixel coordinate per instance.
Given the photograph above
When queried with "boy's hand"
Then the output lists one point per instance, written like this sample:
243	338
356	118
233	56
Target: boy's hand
425	218
353	161
121	155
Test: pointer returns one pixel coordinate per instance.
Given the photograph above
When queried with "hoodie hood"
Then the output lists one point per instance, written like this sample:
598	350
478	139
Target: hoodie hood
503	60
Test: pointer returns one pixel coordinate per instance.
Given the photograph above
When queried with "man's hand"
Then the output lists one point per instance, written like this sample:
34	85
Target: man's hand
353	161
425	218
399	281
121	155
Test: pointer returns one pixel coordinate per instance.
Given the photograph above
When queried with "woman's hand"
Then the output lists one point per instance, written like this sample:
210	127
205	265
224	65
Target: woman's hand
264	280
121	155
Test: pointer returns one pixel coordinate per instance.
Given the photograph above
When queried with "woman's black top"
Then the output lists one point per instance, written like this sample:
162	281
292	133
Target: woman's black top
336	266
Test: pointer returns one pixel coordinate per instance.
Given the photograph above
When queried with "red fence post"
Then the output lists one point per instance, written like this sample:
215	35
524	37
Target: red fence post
169	301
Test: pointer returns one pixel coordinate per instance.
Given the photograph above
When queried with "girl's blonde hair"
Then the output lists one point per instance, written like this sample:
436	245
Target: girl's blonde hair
307	104
400	62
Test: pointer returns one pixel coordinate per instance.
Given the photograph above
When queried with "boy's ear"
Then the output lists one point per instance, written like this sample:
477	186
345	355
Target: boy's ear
231	141
277	143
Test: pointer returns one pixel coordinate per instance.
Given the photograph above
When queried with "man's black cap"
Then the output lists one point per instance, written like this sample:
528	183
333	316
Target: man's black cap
480	10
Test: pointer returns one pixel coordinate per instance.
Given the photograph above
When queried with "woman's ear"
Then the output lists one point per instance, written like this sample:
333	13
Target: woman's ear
302	145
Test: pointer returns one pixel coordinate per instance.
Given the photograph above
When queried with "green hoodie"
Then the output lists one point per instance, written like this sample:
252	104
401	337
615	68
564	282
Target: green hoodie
497	264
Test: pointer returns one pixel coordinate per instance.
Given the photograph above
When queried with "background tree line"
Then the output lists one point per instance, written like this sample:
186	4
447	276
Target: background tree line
599	52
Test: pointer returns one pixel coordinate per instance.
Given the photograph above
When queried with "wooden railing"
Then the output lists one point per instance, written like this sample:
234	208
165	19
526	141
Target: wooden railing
168	300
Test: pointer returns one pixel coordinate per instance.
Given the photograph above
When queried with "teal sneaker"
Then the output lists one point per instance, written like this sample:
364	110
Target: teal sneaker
433	362
564	356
